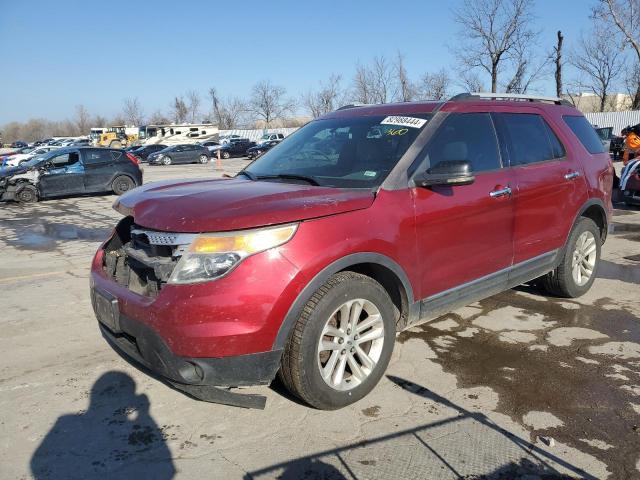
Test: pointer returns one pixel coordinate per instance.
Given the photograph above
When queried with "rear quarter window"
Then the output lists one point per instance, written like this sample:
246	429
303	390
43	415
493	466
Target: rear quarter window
585	132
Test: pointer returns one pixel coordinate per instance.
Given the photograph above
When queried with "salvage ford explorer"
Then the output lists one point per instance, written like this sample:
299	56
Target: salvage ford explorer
361	224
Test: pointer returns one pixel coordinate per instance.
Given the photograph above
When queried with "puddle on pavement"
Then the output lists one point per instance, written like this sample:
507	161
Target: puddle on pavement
591	405
46	236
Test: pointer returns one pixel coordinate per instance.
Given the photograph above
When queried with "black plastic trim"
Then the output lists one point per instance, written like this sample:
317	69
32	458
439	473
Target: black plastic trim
492	284
345	262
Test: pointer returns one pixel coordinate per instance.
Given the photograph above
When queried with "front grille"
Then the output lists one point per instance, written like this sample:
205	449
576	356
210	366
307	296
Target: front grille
141	259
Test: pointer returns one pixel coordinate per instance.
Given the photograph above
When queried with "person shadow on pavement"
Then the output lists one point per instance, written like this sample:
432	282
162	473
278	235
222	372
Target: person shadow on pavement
115	438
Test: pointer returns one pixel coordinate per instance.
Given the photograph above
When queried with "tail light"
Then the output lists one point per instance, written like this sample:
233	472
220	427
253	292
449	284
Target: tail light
133	158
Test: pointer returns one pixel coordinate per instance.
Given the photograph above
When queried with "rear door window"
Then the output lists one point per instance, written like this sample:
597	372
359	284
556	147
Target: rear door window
528	138
97	157
585	132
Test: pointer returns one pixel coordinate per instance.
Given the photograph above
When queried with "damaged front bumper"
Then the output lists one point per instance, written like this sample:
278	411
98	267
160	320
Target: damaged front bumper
206	379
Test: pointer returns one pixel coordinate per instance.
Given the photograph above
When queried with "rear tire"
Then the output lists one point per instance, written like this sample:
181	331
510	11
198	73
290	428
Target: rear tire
324	377
27	194
115	144
122	184
579	265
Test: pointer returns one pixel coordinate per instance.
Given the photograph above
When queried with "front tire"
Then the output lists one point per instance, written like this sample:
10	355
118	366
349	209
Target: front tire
27	194
226	155
579	265
203	159
341	344
166	160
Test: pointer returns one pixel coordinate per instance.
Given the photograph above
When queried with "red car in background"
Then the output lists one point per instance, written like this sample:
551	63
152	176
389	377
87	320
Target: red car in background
363	223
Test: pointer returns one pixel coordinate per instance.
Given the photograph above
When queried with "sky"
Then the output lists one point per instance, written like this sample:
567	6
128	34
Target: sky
56	55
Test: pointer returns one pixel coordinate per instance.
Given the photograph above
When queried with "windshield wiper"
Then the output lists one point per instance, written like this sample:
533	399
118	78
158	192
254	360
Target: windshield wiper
249	175
290	176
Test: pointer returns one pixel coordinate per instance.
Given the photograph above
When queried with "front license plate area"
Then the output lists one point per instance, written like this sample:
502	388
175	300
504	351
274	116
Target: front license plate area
106	308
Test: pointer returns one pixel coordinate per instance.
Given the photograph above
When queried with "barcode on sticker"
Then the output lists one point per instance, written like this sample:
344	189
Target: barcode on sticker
412	122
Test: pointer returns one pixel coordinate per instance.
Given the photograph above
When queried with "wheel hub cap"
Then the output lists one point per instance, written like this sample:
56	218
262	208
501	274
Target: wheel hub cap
583	261
350	344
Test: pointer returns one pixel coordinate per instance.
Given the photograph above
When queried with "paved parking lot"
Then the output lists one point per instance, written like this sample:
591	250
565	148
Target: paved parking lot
465	396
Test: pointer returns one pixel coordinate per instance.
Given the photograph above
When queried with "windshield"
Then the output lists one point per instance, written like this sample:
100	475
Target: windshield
355	152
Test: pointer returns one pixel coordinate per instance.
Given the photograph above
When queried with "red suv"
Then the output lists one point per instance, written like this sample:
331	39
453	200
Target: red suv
362	223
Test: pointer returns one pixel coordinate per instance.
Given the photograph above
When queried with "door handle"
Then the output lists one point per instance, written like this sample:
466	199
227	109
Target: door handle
501	192
571	175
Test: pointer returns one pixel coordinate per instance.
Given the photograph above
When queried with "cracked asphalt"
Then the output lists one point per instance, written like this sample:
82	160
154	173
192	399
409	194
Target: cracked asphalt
519	385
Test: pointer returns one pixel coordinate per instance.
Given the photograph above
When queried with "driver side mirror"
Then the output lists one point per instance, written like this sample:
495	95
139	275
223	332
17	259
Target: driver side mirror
454	172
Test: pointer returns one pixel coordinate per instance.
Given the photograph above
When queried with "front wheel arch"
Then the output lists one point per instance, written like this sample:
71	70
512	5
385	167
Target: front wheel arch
375	265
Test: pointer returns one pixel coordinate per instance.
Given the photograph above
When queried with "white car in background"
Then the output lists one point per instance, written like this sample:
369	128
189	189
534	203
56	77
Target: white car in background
16	160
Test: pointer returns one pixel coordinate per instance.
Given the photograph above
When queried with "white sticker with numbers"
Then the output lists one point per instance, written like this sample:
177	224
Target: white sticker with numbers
412	122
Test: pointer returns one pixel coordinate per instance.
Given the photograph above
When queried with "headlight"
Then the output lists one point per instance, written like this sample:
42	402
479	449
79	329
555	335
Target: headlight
211	256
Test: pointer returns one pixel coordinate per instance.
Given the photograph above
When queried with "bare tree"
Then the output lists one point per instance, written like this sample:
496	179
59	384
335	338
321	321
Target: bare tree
193	105
599	61
99	121
557	59
268	102
179	110
227	113
470	81
632	83
405	89
436	86
158	118
132	111
492	28
362	88
82	121
526	70
326	99
373	83
625	16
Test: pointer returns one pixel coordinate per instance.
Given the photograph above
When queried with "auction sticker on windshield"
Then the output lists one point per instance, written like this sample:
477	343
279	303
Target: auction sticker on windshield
412	122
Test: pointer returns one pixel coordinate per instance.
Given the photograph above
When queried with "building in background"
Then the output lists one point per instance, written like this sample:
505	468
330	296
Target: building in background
589	102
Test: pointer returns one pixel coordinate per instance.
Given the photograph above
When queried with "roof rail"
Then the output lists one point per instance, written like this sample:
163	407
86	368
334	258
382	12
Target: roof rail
351	105
508	96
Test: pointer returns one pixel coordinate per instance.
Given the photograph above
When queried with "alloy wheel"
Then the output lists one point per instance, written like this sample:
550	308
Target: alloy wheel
583	261
350	344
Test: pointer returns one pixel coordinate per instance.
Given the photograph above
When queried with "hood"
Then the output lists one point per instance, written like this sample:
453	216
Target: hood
193	206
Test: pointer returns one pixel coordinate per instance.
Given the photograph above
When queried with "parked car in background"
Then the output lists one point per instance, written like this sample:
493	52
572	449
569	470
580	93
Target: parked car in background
18	159
143	152
227	138
271	137
19	144
44	141
183	153
4	158
255	152
81	142
212	145
616	147
236	148
71	171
